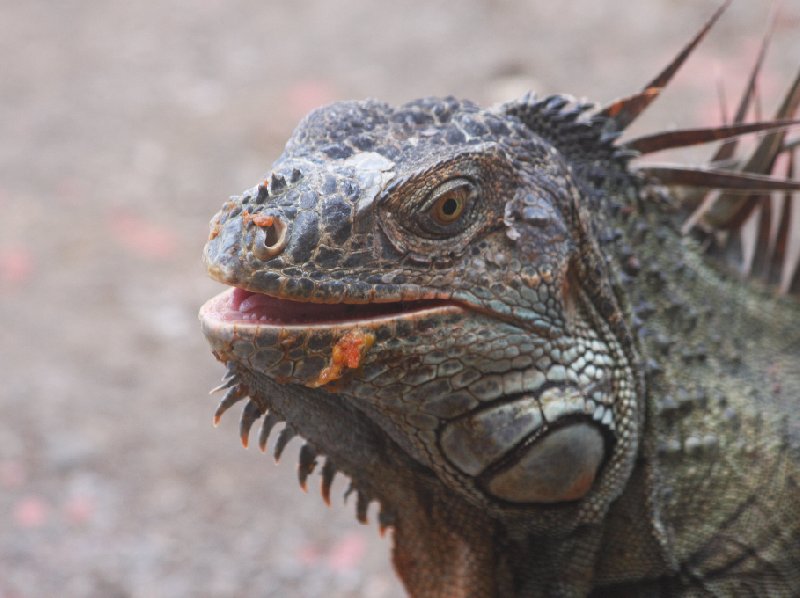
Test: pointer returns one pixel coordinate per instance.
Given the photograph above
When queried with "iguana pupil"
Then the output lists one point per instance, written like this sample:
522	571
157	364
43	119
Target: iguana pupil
448	209
450	206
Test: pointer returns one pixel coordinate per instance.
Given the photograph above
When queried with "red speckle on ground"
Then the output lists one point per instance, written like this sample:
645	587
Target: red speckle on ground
344	555
348	552
16	266
309	554
304	96
31	512
141	237
79	509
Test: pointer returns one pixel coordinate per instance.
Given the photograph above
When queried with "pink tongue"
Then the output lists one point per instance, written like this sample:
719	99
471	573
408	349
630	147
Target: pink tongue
239	295
266	307
255	306
253	302
247	305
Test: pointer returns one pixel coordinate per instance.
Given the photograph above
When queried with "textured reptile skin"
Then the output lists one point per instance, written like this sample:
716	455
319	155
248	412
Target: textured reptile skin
490	323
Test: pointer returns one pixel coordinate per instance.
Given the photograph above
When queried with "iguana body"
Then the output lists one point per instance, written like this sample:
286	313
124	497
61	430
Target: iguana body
495	327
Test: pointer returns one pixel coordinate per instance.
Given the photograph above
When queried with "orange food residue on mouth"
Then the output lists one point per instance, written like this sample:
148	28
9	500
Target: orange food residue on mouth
347	353
262	220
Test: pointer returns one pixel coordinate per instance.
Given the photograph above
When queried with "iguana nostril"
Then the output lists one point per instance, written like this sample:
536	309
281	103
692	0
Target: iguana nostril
270	239
271	236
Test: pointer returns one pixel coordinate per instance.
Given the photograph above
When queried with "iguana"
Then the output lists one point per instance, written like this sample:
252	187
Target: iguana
530	351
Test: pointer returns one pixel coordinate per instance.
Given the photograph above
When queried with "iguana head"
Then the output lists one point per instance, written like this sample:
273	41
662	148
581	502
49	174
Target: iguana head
420	292
431	265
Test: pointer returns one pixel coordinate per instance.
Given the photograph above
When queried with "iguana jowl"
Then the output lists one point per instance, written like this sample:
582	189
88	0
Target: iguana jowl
492	323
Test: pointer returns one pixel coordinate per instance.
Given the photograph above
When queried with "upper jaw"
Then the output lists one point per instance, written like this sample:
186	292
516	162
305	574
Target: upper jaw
263	293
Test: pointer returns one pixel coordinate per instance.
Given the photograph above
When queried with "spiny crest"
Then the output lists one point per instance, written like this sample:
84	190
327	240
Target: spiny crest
253	410
585	137
736	203
574	127
744	211
625	110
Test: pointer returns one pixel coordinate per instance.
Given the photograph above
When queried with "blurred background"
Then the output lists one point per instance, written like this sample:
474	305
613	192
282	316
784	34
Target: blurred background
123	127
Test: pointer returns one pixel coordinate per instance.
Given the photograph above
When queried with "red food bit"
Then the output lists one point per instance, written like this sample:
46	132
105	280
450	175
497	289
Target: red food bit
351	347
214	233
262	220
347	352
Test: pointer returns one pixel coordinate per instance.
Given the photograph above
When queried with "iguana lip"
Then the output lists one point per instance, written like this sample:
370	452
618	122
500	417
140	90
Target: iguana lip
242	307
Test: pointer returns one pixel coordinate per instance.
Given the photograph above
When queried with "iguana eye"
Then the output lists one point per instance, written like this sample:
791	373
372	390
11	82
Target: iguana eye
449	206
433	219
450	200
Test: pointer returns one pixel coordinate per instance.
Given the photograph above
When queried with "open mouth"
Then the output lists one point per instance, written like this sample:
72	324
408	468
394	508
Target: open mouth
240	306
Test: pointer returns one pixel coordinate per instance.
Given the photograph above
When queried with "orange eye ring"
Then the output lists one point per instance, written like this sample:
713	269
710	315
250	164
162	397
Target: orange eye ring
449	206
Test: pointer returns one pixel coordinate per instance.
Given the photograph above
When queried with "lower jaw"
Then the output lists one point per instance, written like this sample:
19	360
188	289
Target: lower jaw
316	353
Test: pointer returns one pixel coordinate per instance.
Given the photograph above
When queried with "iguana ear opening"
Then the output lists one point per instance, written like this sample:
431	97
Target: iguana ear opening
561	467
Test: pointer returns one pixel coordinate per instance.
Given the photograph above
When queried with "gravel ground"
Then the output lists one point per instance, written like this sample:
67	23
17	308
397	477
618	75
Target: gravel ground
123	126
